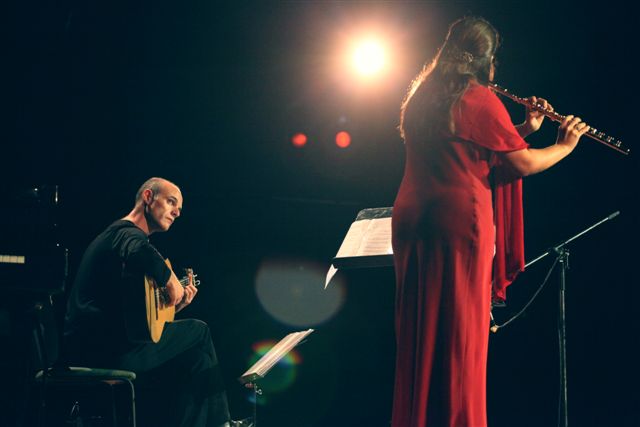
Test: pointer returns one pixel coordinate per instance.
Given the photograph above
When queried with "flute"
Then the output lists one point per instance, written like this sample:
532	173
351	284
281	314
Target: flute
593	133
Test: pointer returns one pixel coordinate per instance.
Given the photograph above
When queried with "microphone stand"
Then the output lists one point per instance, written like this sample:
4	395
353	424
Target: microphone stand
562	254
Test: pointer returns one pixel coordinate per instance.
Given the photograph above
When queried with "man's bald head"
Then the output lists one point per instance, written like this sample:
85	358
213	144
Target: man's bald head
156	185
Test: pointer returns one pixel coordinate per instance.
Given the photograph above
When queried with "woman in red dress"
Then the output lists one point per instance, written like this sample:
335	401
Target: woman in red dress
457	226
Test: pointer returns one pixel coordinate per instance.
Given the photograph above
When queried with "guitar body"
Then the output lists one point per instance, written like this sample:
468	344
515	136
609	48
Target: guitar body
157	312
150	300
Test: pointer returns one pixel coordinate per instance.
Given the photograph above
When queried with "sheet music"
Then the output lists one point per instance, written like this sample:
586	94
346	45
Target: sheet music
332	272
353	239
377	239
266	362
367	237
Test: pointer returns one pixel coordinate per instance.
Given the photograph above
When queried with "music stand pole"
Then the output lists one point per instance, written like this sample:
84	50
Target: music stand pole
563	258
256	392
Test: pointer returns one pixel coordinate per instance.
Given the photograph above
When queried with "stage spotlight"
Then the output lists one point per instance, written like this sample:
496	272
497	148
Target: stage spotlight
343	139
299	140
368	58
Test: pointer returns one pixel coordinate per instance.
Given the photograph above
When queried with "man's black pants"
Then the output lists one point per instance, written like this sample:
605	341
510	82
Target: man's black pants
178	379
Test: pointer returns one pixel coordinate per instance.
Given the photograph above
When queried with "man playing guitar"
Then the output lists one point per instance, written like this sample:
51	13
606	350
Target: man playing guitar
178	379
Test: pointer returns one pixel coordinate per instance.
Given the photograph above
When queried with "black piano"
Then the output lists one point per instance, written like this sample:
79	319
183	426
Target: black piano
33	259
33	271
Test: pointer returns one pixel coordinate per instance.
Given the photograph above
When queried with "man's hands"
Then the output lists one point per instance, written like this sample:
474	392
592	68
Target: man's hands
175	291
190	292
178	295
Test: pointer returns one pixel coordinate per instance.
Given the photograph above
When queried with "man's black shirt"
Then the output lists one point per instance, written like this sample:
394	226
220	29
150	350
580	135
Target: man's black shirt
119	256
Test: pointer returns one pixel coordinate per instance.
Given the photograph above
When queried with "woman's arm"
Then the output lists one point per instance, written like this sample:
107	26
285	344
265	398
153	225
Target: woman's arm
530	161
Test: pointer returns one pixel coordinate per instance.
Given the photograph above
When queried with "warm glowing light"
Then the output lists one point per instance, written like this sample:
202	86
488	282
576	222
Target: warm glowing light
343	139
299	140
369	57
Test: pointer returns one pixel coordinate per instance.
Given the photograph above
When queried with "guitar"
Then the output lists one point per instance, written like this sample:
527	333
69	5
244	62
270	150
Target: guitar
157	311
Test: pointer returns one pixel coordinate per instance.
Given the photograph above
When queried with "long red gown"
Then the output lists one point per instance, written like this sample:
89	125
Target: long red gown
443	243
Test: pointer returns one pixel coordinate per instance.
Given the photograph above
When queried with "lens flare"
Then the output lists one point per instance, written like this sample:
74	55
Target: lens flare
292	291
281	376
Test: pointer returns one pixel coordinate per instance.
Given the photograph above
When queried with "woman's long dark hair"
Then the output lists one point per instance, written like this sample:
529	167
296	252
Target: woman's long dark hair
466	54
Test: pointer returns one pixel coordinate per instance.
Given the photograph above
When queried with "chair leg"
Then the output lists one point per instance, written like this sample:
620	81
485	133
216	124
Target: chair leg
114	406
121	419
133	404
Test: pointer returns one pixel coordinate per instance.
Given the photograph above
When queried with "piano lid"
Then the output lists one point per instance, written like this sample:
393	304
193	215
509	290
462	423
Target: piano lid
32	256
29	219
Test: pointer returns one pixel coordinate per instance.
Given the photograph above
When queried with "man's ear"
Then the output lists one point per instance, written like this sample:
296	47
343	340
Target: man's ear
147	196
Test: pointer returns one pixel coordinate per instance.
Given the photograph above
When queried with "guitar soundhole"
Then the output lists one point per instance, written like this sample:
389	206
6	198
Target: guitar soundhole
162	297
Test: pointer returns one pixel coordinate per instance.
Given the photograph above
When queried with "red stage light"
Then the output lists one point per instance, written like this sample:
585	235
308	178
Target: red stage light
299	139
343	139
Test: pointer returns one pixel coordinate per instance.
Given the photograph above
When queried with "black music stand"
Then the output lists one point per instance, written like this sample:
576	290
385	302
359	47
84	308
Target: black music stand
268	361
367	243
562	257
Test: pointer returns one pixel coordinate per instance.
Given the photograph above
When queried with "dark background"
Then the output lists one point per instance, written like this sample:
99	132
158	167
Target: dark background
100	95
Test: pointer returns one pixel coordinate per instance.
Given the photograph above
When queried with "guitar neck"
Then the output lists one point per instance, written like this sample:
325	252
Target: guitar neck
190	278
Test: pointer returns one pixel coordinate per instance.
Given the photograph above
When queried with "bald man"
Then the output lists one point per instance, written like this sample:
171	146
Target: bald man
178	380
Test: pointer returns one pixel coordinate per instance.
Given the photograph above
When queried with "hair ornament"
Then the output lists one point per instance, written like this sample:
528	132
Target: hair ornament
455	55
